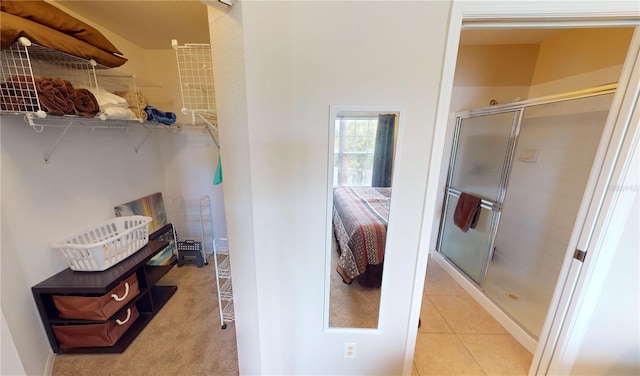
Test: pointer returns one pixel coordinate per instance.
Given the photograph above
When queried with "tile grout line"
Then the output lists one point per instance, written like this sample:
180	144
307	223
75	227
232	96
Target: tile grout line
428	296
458	334
470	353
440	313
455	333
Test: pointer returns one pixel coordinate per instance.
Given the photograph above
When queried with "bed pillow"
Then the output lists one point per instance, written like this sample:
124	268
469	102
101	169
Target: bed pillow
48	15
14	27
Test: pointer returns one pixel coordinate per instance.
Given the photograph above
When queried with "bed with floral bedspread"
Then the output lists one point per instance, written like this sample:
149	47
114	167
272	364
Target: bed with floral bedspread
360	217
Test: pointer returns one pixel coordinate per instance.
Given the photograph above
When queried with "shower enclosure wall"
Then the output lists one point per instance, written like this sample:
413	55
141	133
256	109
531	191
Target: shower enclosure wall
528	162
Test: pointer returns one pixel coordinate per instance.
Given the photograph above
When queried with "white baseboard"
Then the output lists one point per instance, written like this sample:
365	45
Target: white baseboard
48	369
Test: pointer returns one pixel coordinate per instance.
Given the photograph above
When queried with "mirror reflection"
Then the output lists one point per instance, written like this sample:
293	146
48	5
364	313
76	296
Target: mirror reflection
363	153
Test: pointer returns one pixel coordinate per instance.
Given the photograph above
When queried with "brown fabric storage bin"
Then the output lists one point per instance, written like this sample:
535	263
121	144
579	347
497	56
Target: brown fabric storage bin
97	308
96	335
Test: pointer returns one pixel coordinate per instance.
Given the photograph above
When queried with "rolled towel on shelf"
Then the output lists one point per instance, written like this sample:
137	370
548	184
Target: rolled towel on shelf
85	103
112	106
55	95
153	114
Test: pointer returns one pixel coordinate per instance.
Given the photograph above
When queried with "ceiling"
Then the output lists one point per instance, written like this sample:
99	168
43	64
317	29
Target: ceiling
150	24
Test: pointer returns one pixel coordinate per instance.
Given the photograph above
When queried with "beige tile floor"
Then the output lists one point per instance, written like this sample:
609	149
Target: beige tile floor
458	337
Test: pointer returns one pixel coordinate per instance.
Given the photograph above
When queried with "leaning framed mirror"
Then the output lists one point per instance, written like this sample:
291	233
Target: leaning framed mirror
363	143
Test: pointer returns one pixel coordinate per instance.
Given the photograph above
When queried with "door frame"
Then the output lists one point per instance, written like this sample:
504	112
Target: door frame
532	14
604	209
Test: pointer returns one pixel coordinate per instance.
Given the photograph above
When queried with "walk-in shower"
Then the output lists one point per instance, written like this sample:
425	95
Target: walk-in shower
528	162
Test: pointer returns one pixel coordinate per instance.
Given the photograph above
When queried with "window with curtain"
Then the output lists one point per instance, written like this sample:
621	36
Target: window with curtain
364	150
355	139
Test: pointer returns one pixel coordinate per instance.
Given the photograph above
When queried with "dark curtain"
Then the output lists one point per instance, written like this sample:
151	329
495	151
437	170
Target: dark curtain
383	151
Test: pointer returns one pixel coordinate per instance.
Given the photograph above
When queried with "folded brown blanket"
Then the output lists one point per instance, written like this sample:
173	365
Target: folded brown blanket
56	95
85	103
18	94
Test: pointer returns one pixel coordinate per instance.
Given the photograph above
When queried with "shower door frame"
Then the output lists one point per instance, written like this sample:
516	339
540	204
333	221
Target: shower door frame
495	205
519	110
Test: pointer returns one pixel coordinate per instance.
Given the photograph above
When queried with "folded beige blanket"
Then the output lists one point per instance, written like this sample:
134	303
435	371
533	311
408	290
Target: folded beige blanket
136	102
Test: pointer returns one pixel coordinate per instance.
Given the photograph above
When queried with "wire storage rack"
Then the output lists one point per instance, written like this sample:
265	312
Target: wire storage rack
223	274
195	70
25	63
28	69
194	224
20	63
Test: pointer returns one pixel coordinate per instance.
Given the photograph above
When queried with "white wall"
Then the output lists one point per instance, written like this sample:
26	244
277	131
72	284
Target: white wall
10	364
298	58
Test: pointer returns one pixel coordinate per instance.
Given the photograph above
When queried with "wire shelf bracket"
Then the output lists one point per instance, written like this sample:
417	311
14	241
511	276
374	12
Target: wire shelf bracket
195	71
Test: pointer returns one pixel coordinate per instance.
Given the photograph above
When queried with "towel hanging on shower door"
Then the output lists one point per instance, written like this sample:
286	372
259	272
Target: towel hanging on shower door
467	212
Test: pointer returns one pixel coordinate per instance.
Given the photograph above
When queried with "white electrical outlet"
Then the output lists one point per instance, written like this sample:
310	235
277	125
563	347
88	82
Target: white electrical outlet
349	349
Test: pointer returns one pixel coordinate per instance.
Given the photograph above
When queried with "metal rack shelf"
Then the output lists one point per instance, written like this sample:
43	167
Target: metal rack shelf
223	273
194	221
226	291
23	61
195	70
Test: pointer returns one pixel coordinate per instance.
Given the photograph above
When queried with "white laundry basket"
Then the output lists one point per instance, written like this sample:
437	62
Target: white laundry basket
105	244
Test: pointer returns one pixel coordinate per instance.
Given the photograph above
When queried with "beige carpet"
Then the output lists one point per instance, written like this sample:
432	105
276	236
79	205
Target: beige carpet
351	306
184	338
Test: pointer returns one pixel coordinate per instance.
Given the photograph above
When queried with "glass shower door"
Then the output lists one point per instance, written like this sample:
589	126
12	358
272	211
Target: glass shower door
557	143
479	161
